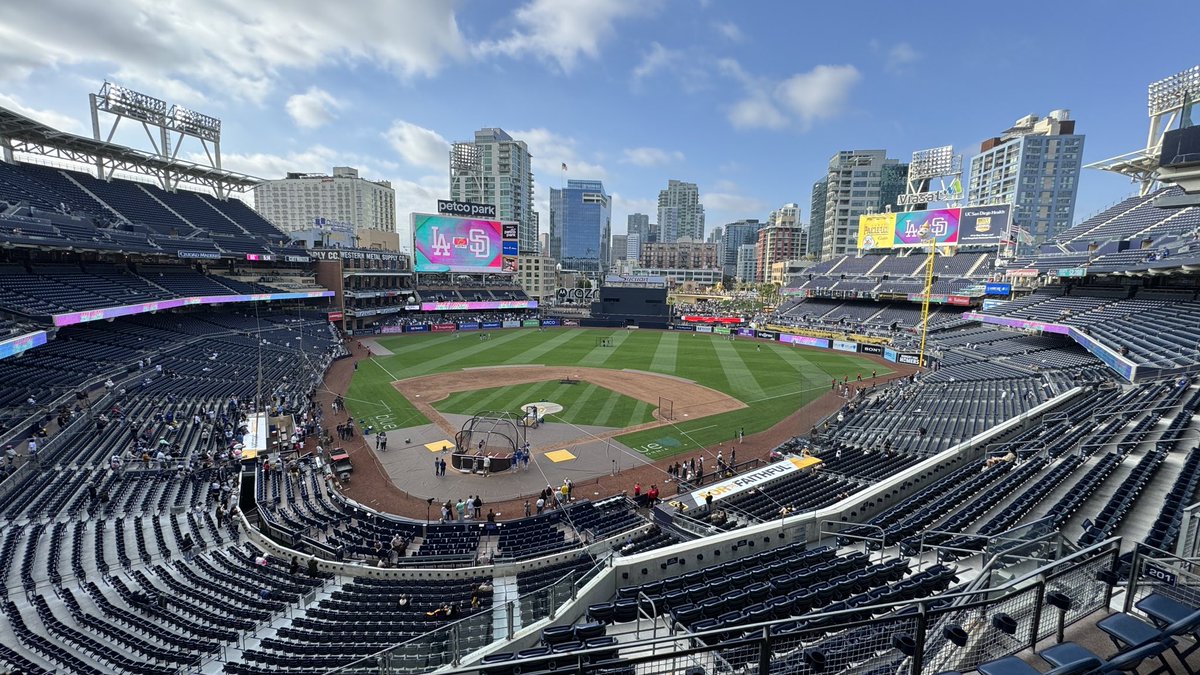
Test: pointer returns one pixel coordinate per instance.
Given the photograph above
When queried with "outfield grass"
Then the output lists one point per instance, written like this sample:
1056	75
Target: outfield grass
773	379
584	403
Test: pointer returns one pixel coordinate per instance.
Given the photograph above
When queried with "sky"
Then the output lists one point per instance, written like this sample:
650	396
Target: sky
747	99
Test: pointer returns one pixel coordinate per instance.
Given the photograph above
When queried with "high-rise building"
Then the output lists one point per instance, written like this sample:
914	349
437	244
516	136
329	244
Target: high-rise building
543	243
1035	167
581	225
639	224
737	234
788	215
747	263
633	247
816	225
680	213
858	182
777	243
684	254
717	236
495	169
303	201
618	250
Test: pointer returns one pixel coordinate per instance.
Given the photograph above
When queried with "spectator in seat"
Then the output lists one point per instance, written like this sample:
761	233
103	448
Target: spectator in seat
313	570
188	546
294	566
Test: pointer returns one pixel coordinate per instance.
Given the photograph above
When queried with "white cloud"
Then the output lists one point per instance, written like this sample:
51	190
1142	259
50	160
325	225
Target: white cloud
818	94
756	112
227	46
562	31
550	151
314	159
419	146
799	100
732	205
623	206
729	30
658	59
312	109
51	117
651	156
901	56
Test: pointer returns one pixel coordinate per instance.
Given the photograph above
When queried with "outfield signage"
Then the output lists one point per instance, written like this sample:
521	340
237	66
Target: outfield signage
844	346
475	306
731	487
722	330
909	359
806	340
417	328
550	322
680	326
353	254
200	255
871	349
989	304
468	325
510	324
531	323
1072	272
443	327
1022	273
576	294
745	332
704	329
491	324
890	354
997	289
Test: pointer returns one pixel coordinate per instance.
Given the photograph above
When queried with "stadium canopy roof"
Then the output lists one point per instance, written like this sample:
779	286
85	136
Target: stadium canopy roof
22	134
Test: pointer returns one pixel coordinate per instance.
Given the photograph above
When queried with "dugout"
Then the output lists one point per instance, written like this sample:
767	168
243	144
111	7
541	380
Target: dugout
622	306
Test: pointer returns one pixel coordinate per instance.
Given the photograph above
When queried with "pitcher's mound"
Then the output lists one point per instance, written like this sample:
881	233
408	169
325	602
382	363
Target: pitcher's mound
543	408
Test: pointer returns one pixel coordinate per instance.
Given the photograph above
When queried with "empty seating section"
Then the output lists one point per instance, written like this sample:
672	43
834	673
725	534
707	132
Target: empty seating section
104	215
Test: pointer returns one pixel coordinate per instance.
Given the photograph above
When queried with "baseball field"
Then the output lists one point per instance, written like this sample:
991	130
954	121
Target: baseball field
753	384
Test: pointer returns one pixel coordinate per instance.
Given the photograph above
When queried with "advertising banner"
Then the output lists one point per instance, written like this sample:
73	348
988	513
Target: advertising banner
1112	360
745	332
550	322
935	298
510	248
909	359
984	225
958	300
531	323
512	324
722	330
942	223
876	230
681	326
804	340
21	343
988	304
390	330
476	306
1072	272
1021	324
468	325
1021	273
490	324
713	319
417	328
443	327
844	346
335	316
766	335
750	480
997	289
448	244
72	318
704	329
889	354
870	349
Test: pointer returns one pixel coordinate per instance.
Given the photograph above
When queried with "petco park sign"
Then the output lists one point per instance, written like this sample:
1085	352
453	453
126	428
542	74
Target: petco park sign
466	209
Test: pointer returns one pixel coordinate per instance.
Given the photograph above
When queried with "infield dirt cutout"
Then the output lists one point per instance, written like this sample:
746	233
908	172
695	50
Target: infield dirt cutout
688	398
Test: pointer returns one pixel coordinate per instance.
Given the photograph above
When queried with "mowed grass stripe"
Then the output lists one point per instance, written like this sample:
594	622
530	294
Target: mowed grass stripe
739	375
665	353
607	408
460	350
560	339
599	355
641	414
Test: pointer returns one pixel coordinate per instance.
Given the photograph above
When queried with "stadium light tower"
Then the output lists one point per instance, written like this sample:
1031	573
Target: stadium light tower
1168	101
940	162
166	128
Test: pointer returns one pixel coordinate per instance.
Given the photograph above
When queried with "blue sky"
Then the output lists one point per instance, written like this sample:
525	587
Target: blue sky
747	99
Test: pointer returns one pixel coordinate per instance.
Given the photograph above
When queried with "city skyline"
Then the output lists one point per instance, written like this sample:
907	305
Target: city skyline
630	93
